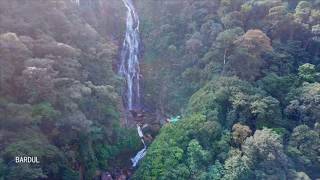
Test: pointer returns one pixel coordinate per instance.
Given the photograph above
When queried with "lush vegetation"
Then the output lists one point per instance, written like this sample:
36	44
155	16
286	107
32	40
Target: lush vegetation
243	74
59	95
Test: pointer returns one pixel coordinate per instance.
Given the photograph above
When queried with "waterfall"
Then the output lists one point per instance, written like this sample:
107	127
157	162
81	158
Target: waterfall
129	67
77	2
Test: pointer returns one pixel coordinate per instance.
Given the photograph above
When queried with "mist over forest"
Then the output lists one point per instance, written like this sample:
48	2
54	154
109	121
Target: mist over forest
160	89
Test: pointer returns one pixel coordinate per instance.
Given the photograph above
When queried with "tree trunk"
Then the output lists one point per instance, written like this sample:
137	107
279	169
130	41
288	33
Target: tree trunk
81	171
225	56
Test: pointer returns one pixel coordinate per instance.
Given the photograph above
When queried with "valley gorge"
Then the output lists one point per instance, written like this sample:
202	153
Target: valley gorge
160	89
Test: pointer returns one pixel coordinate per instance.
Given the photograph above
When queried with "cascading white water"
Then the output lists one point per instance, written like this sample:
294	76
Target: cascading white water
76	2
129	67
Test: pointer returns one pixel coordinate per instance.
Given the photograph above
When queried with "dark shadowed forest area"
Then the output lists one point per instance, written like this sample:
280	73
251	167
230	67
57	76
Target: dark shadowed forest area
222	89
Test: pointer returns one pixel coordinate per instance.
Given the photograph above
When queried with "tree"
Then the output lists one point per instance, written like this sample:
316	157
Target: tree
16	116
307	72
194	43
267	112
225	41
25	171
179	151
210	31
237	166
304	105
277	86
216	171
2	169
255	11
197	158
38	80
266	154
246	59
302	12
13	54
304	148
240	133
281	23
232	20
49	51
255	41
229	100
298	175
50	158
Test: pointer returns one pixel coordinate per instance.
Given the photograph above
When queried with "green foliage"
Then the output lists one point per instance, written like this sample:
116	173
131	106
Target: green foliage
69	174
197	158
240	133
16	116
266	154
253	62
25	172
51	159
58	91
303	11
267	112
229	100
263	42
230	67
226	38
260	157
304	106
308	73
236	167
216	171
216	96
2	169
277	86
44	111
304	149
179	150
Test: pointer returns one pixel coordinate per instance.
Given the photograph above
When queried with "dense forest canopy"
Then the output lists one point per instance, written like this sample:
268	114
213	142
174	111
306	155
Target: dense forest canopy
59	95
244	75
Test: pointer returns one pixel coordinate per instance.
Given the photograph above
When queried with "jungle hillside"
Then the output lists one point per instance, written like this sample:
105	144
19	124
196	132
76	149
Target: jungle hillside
160	89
